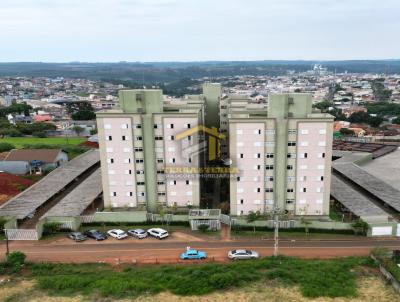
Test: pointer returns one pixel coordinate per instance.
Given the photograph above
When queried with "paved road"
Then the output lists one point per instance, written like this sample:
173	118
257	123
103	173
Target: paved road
167	252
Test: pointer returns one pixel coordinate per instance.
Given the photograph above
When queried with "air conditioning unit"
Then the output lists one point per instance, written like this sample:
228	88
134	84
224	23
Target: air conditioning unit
290	100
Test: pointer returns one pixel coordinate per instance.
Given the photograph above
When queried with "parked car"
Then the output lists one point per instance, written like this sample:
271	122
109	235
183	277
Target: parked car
193	254
117	234
158	233
95	234
242	254
138	233
77	236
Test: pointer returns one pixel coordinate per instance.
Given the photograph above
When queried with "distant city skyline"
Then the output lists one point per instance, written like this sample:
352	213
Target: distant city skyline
178	30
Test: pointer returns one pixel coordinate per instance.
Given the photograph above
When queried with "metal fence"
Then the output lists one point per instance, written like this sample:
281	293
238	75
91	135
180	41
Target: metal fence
87	218
22	234
226	219
213	224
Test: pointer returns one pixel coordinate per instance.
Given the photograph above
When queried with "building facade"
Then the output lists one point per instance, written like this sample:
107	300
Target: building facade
138	142
283	154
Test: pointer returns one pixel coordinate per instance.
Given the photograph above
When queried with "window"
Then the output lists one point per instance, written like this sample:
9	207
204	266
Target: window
188	126
171	126
290	190
189	160
160	160
107	126
241	201
304	131
258	167
171	138
113	194
291	178
140	183
123	137
258	190
138	149
238	178
289	167
270	155
269	167
291	155
270	144
109	138
161	193
139	138
138	126
158	138
241	155
139	160
289	201
269	202
292	131
269	178
129	193
258	155
303	155
160	172
160	183
320	178
187	182
291	144
124	126
155	126
110	160
269	190
304	190
139	172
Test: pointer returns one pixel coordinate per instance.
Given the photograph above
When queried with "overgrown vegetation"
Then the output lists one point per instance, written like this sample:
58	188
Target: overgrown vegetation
387	260
315	278
13	263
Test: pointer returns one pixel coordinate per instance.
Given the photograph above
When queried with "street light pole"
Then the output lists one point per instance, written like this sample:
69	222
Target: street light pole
276	232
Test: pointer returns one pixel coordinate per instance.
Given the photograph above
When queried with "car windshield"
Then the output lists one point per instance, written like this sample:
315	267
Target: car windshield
248	252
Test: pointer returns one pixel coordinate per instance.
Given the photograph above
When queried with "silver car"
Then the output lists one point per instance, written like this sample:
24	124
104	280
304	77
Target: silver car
138	233
242	254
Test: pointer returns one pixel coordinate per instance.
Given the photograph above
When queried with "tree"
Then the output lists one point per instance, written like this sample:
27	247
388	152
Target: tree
338	114
4	147
360	227
396	120
346	131
359	117
252	217
375	121
81	111
324	105
306	224
78	130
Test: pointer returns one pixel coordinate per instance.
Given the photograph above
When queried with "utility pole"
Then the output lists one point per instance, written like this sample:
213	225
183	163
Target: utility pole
7	247
276	212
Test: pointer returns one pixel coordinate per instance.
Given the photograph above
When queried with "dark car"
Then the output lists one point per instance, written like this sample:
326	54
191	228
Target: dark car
95	234
77	236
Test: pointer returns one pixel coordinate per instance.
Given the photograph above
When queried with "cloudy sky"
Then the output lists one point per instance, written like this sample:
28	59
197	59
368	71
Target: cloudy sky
192	30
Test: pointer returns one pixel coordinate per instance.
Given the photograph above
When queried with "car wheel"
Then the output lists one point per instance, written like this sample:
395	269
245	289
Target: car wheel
202	258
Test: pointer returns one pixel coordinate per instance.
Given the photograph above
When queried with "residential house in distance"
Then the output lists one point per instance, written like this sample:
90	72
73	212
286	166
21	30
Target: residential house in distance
26	161
283	154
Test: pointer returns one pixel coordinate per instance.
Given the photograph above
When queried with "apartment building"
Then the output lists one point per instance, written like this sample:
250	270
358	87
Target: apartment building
283	153
138	142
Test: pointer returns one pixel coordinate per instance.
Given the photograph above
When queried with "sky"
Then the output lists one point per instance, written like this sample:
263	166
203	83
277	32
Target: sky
198	30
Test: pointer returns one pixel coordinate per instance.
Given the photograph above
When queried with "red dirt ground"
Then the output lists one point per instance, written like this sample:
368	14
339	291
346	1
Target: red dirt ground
89	144
11	185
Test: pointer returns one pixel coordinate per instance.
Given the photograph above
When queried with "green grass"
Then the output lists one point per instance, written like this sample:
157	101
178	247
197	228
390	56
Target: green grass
19	142
315	278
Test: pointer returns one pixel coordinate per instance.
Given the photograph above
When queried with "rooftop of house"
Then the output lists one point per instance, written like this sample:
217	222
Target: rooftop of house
44	155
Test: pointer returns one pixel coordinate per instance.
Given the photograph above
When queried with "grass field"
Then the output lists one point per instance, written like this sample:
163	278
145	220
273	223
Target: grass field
19	142
316	279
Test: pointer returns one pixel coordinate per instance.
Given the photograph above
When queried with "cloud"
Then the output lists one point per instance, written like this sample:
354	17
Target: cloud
151	30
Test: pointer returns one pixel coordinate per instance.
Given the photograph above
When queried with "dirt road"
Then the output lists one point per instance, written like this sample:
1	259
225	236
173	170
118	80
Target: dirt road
151	250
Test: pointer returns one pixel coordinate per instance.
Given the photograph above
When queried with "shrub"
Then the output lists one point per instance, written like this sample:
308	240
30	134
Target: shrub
203	228
4	147
51	227
15	260
40	134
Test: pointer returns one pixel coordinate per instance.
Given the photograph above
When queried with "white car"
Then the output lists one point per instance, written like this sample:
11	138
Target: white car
118	234
138	233
242	254
158	233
